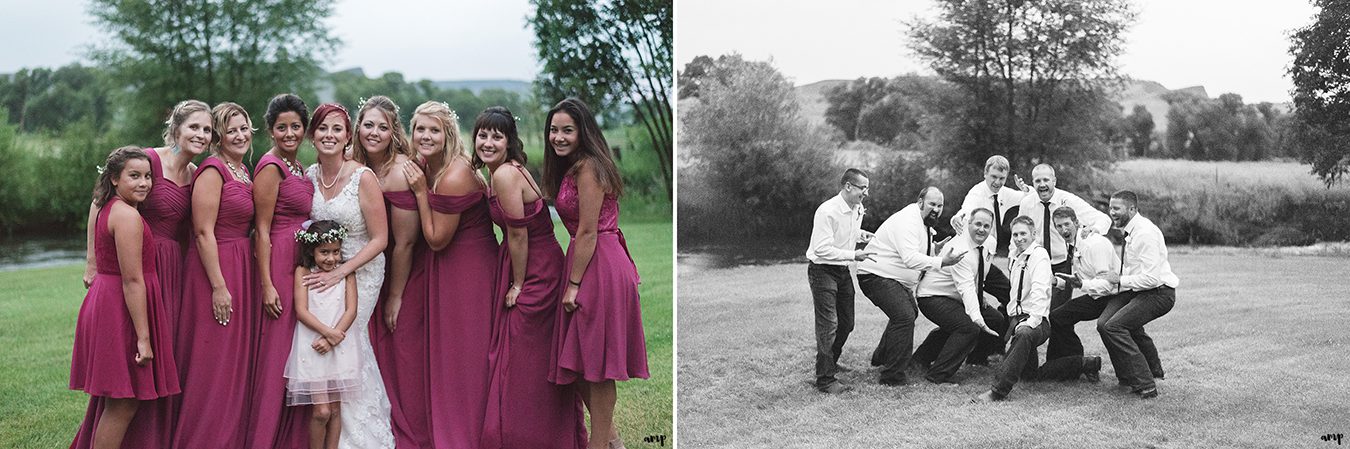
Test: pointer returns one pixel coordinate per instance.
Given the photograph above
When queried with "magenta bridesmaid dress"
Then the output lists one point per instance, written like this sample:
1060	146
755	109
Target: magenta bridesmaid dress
602	339
102	361
166	211
215	362
273	425
523	408
402	355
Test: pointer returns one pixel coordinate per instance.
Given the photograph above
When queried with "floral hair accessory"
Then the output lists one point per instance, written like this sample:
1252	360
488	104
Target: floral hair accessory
333	235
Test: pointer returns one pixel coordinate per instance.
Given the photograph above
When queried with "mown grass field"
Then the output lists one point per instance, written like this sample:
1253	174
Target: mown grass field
37	325
1255	353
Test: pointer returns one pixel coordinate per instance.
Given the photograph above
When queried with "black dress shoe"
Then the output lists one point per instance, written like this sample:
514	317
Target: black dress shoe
842	368
835	388
1092	367
894	382
1147	393
986	397
1158	375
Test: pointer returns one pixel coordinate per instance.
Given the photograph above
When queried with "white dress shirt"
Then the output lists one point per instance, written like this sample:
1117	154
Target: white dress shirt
834	232
1093	257
958	280
1031	281
1087	216
980	196
1145	266
902	248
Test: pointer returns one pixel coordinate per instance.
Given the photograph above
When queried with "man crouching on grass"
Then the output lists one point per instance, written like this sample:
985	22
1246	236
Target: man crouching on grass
1028	307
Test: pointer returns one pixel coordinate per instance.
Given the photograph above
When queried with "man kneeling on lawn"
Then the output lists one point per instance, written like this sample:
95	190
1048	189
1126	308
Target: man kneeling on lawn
1028	308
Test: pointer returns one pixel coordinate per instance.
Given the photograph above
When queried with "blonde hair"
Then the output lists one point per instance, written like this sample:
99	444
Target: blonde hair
453	147
398	139
180	114
220	118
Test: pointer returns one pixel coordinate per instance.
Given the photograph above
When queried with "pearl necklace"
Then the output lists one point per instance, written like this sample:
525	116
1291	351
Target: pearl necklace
328	185
240	175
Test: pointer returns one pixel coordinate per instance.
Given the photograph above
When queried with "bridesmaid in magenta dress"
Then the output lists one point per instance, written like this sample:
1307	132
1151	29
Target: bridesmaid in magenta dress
122	322
166	210
599	336
282	197
218	320
381	144
454	327
523	408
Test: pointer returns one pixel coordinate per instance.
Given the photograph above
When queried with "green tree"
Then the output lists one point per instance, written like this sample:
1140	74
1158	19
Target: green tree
1032	75
749	160
1321	75
165	51
1139	129
610	53
847	101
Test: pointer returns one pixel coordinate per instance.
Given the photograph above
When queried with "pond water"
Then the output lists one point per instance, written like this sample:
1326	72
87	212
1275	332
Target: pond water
696	258
24	252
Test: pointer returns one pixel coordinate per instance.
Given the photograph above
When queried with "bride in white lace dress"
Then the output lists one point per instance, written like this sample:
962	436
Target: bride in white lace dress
349	193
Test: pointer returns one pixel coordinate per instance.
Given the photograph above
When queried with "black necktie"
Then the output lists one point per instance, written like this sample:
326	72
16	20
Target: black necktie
1123	235
1045	225
1069	258
998	215
979	279
1021	277
928	235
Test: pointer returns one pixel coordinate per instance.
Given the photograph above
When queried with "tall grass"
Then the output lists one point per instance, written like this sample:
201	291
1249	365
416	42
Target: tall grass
1236	203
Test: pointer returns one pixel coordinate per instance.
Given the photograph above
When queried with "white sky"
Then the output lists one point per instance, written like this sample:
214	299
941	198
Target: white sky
439	40
1238	46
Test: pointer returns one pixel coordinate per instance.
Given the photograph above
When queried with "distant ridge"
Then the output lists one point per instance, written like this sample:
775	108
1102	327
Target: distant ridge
1150	94
523	88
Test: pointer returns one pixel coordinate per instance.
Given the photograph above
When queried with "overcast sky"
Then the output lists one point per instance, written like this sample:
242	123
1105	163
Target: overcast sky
1238	46
439	40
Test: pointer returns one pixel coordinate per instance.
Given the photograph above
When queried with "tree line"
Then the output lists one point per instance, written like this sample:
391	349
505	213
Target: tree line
1029	80
161	52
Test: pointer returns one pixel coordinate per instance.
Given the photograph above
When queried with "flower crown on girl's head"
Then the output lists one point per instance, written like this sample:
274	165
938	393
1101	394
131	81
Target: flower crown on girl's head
333	235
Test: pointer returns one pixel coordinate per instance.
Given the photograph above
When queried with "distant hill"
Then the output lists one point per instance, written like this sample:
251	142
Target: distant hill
521	87
812	100
1136	92
325	88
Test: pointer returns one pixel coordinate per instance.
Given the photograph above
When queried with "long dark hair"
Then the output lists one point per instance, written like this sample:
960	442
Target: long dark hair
499	119
591	147
112	169
305	257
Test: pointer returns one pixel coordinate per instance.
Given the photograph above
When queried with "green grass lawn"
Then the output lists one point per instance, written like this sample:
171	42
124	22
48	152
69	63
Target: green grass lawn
1255	355
37	327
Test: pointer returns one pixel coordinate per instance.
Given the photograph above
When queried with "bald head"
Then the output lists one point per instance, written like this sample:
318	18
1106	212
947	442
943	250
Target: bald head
930	202
1043	178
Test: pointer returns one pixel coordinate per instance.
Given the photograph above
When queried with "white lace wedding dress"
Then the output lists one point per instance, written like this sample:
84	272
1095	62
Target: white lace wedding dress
365	416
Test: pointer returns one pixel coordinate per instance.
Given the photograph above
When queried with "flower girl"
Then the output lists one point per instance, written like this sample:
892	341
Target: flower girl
321	371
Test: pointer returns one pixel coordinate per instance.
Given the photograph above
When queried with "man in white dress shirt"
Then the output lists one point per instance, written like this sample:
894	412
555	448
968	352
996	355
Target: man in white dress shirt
904	252
1147	290
1038	207
1095	257
951	298
835	234
992	194
1027	316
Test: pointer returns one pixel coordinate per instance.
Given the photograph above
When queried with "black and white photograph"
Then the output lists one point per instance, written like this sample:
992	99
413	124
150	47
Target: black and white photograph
1012	223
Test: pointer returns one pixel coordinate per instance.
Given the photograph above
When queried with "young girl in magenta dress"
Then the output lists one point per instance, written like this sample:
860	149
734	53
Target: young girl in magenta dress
599	334
123	352
321	371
